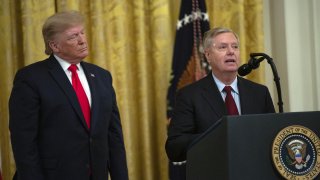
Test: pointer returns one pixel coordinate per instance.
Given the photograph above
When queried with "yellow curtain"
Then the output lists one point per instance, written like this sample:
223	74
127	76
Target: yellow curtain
245	17
132	39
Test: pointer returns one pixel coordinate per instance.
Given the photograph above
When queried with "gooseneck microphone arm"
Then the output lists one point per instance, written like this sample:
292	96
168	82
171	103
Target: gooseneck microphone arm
254	63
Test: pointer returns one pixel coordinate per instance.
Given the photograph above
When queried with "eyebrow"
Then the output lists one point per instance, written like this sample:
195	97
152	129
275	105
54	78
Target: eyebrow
224	44
74	32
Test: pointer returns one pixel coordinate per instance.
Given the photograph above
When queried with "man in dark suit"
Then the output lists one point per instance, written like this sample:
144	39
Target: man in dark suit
65	122
201	104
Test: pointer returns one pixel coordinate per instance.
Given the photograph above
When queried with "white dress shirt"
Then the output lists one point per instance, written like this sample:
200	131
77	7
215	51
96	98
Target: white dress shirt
234	92
65	65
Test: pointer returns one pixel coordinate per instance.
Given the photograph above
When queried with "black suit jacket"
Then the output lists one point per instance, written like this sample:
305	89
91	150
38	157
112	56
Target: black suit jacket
49	136
200	105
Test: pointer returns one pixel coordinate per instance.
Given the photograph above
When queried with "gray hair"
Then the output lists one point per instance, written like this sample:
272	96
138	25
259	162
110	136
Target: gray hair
209	36
58	23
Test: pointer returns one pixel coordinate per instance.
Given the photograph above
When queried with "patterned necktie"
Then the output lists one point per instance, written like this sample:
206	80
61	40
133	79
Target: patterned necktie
82	97
229	101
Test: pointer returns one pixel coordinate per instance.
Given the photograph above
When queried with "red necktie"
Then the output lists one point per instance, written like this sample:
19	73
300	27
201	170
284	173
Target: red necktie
82	97
229	101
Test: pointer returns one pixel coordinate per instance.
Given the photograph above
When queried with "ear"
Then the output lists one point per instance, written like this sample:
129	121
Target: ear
54	46
207	54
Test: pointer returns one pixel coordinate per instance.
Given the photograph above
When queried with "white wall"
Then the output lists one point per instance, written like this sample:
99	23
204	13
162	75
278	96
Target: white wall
292	39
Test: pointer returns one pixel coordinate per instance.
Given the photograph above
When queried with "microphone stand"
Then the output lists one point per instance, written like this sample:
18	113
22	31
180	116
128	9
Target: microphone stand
275	75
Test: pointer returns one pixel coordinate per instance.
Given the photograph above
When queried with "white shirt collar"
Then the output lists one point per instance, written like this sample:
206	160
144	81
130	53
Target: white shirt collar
221	85
64	64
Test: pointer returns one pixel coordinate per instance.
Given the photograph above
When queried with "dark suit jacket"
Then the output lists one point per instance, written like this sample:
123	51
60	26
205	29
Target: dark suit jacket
200	105
49	136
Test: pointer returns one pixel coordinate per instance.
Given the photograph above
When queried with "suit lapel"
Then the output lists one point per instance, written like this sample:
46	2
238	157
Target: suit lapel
212	95
245	96
60	77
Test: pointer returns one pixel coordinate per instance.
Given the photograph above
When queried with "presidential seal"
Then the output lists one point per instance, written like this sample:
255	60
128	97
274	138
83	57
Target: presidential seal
296	153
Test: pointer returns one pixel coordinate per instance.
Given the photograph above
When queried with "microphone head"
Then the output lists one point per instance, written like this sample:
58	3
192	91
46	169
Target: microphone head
254	63
244	70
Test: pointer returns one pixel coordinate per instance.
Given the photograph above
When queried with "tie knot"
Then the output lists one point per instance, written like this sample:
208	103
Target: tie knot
73	68
227	89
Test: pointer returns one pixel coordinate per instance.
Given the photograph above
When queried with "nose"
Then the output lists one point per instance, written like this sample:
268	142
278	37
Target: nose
81	38
230	50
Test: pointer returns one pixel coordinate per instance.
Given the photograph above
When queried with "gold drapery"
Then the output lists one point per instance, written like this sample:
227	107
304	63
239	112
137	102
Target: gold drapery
132	39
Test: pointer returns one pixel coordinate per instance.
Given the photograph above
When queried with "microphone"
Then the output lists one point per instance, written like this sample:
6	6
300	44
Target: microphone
253	63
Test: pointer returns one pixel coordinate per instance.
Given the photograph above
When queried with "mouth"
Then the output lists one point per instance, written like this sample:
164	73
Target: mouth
230	61
83	49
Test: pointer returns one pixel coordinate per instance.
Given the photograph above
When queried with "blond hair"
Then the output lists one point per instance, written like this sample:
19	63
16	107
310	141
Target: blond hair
209	36
58	23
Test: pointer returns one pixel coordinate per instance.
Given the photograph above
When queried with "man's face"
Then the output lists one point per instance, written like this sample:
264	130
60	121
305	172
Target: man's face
223	54
71	45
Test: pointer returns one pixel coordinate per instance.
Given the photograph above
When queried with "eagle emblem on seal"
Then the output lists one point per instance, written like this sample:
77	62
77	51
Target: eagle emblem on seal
297	152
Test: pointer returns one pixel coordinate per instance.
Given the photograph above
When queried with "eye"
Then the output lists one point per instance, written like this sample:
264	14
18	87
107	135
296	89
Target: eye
235	46
72	37
222	47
